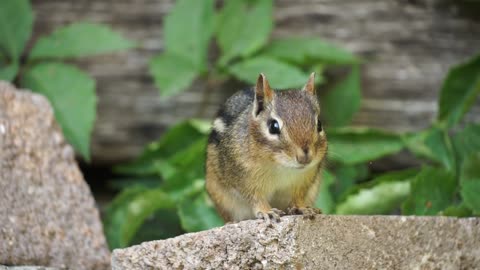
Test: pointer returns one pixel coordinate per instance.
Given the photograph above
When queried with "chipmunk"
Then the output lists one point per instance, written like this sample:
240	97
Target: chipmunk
265	153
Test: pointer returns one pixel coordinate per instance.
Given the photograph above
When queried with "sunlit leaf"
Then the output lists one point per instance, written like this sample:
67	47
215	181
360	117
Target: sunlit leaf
79	39
172	73
279	74
188	29
381	195
308	50
243	27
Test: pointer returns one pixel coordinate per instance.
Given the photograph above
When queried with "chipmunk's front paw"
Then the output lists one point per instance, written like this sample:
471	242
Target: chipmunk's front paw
307	212
272	214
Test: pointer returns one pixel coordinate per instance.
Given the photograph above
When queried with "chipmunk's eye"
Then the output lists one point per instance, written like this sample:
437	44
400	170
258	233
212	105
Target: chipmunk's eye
319	126
273	126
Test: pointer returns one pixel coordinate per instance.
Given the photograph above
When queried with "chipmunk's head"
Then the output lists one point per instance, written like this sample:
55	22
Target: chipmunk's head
286	124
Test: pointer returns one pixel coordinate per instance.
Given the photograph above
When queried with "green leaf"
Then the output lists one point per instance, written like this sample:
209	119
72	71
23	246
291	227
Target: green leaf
459	91
8	71
343	101
358	145
243	28
279	74
172	73
188	29
128	211
79	39
72	95
457	211
16	19
197	213
162	224
467	141
347	176
190	168
325	200
432	191
309	50
434	144
155	159
381	195
470	182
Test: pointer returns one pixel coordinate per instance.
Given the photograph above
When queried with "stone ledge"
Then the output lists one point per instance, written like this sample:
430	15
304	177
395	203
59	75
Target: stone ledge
327	242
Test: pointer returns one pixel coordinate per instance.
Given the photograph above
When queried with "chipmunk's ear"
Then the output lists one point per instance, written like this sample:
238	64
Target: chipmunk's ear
263	94
310	85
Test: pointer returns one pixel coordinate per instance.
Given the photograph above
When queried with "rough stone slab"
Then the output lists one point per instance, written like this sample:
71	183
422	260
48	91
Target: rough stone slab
47	213
2	267
327	242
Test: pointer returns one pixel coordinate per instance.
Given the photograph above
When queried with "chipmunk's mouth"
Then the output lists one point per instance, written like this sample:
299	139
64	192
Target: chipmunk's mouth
291	163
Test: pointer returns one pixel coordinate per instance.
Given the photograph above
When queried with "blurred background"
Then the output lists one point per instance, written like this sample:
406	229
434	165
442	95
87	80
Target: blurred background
388	58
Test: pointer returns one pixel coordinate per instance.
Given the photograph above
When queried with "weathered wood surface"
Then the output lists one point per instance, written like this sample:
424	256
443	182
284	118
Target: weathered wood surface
408	47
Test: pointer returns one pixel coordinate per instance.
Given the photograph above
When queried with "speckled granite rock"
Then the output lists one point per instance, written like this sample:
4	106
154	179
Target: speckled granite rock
47	213
328	242
2	267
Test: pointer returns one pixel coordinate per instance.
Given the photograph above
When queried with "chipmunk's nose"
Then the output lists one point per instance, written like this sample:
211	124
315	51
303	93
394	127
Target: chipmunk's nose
303	156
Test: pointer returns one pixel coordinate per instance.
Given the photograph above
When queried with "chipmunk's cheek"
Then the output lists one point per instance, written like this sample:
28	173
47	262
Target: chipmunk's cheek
284	160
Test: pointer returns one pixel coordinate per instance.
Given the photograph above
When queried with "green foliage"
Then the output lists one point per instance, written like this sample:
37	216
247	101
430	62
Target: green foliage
308	50
470	182
358	145
280	74
197	213
75	108
242	30
325	200
129	210
70	41
16	19
381	195
459	91
447	184
434	144
188	29
71	91
8	70
341	103
432	191
467	141
174	167
172	80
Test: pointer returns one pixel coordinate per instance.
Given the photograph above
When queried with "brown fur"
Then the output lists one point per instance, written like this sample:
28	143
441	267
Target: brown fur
249	171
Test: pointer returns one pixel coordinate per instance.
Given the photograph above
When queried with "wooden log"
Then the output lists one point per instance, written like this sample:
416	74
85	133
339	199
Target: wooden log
408	47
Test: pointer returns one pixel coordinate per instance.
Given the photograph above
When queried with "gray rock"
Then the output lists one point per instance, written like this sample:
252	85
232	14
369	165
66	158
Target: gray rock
2	267
47	215
327	242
